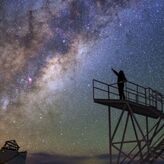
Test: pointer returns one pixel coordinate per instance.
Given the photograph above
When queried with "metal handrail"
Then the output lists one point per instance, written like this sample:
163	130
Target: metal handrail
104	82
133	92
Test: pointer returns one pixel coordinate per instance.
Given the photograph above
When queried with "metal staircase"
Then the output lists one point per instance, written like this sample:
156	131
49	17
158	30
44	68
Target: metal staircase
155	152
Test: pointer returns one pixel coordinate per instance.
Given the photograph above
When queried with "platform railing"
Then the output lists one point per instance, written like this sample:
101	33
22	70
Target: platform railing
133	92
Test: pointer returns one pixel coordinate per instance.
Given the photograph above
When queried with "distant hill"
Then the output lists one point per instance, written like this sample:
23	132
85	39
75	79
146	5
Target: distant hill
45	158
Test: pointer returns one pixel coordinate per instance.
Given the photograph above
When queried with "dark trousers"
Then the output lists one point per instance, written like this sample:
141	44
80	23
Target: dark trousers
121	91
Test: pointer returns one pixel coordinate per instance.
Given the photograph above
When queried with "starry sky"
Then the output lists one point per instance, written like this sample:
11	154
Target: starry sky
50	50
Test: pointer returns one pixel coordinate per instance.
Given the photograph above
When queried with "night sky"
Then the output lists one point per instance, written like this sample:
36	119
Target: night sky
50	50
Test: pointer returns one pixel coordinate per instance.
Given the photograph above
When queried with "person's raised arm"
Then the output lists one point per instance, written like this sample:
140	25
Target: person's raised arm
115	72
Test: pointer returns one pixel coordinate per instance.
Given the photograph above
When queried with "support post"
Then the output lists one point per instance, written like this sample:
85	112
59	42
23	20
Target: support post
110	131
110	138
147	135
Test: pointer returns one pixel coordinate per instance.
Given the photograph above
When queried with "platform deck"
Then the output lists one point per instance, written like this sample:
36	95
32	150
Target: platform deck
140	109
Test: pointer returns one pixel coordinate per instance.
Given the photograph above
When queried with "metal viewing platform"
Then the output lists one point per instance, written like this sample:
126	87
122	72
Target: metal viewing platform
139	102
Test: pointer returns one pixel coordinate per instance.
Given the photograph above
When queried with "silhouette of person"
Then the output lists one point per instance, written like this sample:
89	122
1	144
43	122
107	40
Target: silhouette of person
120	82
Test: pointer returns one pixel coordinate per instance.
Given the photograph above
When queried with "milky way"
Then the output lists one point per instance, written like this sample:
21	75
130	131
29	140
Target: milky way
35	33
49	52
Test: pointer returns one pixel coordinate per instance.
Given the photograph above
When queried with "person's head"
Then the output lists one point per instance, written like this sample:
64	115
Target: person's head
121	72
